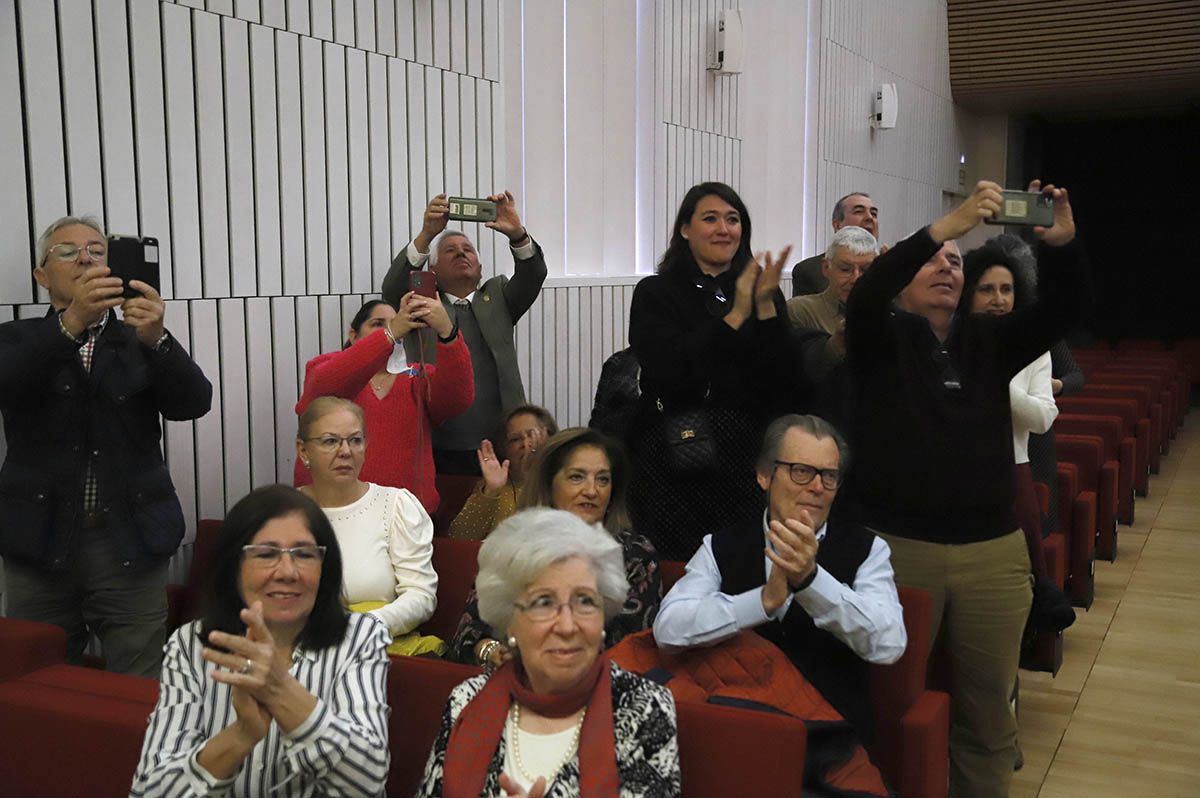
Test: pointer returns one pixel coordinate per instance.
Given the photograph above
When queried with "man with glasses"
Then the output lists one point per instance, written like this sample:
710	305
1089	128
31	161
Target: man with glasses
90	516
821	590
849	255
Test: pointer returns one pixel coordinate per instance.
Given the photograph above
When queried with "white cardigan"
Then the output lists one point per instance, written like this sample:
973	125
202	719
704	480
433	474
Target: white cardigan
386	539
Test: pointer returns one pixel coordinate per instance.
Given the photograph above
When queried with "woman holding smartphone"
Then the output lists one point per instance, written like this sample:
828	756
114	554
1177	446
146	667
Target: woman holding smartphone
401	403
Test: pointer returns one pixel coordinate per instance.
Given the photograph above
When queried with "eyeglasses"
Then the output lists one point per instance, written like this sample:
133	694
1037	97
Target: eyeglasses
265	555
69	253
803	473
544	608
331	443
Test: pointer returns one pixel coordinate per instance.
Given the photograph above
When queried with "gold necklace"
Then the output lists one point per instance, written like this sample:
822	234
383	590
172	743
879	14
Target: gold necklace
515	737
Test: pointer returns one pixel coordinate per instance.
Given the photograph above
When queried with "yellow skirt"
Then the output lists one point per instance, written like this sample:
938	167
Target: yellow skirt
407	645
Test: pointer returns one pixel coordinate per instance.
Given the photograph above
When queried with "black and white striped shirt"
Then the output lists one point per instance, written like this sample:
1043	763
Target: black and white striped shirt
340	749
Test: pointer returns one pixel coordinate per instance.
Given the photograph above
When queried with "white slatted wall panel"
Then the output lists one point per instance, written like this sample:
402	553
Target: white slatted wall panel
865	43
697	135
280	151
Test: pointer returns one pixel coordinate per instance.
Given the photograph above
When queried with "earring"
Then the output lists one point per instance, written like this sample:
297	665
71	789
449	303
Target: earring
512	643
302	460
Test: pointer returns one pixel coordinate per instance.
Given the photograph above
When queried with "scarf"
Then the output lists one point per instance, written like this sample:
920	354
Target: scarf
476	734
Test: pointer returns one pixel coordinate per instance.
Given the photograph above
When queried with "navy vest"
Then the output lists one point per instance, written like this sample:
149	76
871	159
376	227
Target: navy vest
828	663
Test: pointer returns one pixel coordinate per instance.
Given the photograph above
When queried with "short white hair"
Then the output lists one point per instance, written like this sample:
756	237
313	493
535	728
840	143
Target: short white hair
854	240
437	244
529	542
43	242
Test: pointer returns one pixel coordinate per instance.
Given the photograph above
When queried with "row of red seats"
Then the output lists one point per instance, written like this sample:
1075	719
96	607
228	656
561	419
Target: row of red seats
912	721
44	703
1110	439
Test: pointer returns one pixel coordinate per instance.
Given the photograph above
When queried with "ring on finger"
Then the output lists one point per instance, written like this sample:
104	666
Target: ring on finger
249	666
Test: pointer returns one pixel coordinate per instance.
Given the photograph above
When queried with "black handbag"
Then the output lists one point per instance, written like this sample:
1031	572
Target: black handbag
691	444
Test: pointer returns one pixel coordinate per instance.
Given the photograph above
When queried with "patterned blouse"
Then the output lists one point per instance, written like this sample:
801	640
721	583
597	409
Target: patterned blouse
641	605
643	729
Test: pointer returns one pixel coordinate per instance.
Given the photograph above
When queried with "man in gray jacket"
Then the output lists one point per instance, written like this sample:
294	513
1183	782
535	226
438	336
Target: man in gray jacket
485	314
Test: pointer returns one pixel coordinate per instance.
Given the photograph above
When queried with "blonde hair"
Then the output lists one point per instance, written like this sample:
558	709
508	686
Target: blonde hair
322	406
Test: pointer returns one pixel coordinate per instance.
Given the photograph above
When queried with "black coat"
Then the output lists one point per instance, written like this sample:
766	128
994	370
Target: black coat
57	416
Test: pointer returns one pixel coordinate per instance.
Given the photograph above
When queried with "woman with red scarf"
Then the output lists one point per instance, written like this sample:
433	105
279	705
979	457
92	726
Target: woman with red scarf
558	719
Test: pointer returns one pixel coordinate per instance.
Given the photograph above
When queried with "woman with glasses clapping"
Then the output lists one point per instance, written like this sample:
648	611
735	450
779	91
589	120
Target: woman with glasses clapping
557	718
384	532
401	402
277	689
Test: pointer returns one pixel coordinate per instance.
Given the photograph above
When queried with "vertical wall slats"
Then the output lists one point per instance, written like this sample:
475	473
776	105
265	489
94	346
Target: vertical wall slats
316	219
385	27
473	27
451	144
320	19
456	17
235	402
43	113
435	164
80	108
247	10
265	116
418	190
336	169
441	34
405	30
343	22
293	216
183	170
378	173
397	92
115	119
287	376
209	124
240	152
422	27
210	467
16	252
261	390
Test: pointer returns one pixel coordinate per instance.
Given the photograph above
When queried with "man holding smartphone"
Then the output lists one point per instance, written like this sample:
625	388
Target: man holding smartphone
90	514
486	316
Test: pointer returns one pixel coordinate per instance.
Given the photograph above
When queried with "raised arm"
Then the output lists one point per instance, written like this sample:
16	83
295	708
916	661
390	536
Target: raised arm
529	264
414	255
451	382
1065	371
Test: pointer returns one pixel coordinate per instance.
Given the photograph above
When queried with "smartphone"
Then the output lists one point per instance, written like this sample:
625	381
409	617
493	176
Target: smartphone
423	283
1027	208
134	258
466	209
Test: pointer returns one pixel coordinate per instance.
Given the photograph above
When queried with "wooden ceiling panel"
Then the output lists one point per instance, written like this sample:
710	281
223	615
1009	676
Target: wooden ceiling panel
1020	55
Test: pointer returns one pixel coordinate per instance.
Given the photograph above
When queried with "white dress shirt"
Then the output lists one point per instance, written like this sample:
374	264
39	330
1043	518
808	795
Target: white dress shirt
866	615
417	258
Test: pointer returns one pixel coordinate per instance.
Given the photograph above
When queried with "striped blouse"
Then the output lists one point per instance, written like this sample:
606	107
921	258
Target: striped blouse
340	749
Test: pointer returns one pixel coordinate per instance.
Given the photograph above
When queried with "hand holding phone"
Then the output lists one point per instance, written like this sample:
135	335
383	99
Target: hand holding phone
134	258
423	283
469	209
1025	208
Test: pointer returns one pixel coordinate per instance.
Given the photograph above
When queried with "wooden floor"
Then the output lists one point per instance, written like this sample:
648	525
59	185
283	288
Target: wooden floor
1122	717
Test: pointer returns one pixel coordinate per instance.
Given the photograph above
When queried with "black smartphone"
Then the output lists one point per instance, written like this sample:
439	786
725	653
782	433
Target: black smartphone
1028	208
423	283
134	258
467	209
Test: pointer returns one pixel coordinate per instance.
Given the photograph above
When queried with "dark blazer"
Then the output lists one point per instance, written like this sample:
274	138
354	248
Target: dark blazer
807	277
56	416
498	305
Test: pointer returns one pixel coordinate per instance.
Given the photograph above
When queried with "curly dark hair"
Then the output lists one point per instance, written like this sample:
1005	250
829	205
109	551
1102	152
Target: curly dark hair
979	260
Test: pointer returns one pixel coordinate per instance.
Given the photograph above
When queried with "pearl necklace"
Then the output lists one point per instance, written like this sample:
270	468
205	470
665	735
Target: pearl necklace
515	737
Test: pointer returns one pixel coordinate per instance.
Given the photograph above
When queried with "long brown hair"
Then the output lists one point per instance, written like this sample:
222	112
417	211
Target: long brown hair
538	490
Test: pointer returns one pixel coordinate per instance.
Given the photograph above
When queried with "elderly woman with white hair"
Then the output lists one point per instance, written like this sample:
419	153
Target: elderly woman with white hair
559	719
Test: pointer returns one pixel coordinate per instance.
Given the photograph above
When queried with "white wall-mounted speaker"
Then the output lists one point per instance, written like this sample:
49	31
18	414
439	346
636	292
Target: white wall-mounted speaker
886	107
727	55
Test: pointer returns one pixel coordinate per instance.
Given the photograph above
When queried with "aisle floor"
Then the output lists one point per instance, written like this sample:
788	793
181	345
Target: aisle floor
1123	715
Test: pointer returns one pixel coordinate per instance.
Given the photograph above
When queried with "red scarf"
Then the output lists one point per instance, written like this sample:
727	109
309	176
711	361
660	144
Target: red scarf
476	734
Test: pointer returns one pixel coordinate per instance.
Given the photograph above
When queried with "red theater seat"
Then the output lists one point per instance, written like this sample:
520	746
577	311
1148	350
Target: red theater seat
28	645
456	562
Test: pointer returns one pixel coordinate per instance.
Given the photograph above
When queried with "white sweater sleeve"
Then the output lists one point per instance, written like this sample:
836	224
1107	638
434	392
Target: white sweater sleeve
410	548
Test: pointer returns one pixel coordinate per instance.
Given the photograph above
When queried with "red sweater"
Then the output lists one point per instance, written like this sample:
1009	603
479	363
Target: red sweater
399	451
